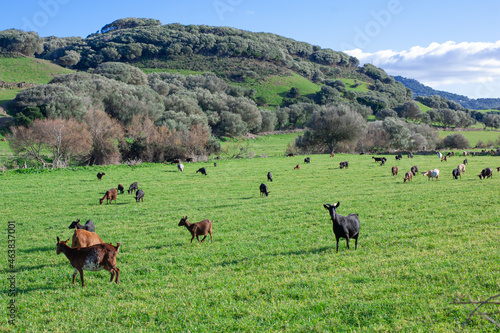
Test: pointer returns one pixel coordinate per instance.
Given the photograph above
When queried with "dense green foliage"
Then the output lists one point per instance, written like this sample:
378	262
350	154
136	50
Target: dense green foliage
272	265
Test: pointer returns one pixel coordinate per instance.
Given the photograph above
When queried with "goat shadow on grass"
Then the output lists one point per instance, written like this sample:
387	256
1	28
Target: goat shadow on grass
39	249
301	252
27	290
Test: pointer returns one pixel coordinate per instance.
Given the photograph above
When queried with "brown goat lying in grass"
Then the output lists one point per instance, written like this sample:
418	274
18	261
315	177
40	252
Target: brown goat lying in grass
91	258
110	195
201	228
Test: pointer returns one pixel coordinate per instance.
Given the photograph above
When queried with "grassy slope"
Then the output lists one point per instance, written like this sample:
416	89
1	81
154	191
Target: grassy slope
475	136
272	266
31	70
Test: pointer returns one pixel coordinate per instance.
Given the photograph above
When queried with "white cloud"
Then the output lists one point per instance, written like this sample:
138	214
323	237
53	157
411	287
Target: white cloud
462	65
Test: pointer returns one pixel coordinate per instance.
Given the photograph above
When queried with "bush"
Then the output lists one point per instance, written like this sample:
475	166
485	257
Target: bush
456	140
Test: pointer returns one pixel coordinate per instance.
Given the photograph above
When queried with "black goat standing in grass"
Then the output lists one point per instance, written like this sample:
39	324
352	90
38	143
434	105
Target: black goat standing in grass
344	226
89	225
203	171
263	190
269	176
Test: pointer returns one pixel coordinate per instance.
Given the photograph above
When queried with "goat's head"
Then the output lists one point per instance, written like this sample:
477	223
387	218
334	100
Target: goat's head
183	221
59	244
73	224
332	208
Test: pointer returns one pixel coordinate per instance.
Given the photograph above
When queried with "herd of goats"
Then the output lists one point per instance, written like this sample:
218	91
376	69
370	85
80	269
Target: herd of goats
89	252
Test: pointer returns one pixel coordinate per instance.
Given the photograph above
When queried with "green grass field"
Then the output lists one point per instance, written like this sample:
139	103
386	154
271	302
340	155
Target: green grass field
475	136
272	265
31	70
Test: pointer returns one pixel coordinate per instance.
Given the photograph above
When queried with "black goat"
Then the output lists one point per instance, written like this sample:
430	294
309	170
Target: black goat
263	190
139	195
269	176
203	171
133	187
344	164
89	225
100	174
121	189
455	173
307	160
344	226
414	169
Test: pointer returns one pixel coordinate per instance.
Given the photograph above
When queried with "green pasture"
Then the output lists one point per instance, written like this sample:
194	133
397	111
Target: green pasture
475	136
266	145
272	265
31	70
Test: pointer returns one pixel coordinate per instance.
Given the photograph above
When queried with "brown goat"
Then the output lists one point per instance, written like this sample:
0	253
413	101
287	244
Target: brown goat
110	195
201	228
84	238
395	170
91	258
408	176
297	167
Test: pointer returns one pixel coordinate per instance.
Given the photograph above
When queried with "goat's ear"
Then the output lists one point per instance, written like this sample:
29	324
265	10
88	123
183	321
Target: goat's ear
337	205
58	240
326	206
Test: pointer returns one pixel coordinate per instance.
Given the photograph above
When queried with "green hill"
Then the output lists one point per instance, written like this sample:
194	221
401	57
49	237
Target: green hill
31	70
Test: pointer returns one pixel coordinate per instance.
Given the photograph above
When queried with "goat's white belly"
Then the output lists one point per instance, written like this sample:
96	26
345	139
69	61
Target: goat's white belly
92	265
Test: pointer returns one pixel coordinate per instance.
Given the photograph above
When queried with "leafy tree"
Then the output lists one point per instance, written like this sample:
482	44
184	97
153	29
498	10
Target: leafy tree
327	95
294	92
491	120
400	134
18	41
330	126
409	110
457	140
122	72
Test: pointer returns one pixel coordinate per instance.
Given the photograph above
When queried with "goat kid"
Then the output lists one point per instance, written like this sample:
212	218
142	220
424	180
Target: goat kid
89	225
201	228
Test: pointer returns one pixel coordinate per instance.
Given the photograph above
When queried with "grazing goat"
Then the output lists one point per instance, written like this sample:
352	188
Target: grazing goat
121	188
307	160
344	226
139	195
399	156
434	173
444	158
110	195
344	164
466	161
461	168
378	159
440	155
414	169
91	258
498	169
263	190
201	228
89	225
290	155
269	176
133	187
410	155
297	167
408	176
180	167
486	173
455	173
395	170
464	153
203	171
189	160
332	154
383	161
99	175
215	164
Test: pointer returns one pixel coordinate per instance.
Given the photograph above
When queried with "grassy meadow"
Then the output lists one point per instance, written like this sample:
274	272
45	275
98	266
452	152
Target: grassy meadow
272	265
31	70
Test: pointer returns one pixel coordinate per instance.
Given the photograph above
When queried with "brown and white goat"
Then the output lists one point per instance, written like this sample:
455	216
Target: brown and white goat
110	195
408	176
91	258
201	228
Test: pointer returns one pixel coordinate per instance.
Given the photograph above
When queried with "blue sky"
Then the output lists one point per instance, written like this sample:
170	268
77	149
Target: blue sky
449	45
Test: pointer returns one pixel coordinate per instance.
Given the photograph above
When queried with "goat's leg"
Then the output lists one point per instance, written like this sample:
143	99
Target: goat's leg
112	271
192	239
356	243
211	240
117	274
204	238
198	238
347	241
338	244
81	276
74	275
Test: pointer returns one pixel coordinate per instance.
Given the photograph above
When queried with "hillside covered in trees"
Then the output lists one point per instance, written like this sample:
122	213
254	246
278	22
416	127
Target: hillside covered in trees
422	90
128	74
